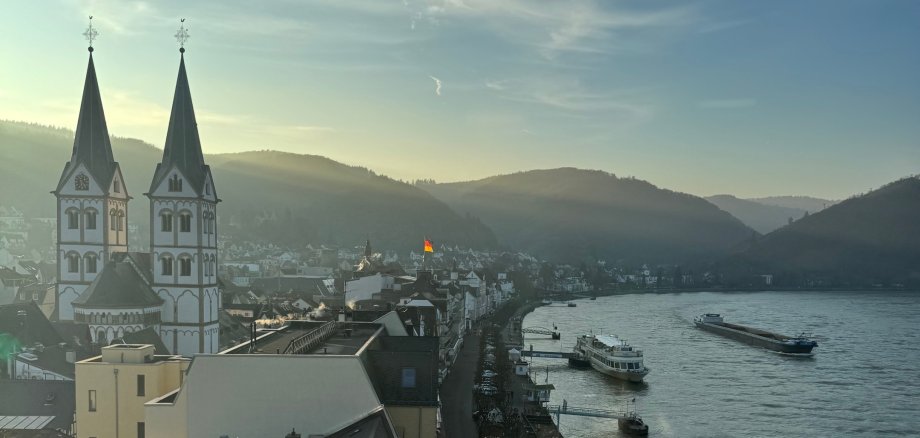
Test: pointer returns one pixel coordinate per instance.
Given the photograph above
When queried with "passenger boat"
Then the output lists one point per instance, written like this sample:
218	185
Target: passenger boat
611	356
713	322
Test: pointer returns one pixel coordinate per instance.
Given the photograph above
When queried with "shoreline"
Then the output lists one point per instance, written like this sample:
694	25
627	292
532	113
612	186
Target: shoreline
609	292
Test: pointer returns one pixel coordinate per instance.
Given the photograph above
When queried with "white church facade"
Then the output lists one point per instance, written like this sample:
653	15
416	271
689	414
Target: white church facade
173	288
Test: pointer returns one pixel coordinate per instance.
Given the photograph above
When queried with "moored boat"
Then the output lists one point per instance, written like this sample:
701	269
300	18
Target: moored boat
633	425
713	322
611	356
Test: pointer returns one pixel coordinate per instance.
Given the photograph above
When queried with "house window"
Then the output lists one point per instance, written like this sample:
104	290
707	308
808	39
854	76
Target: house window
92	400
73	263
73	219
175	184
90	264
90	220
166	265
166	220
185	222
408	377
81	182
140	385
140	429
185	266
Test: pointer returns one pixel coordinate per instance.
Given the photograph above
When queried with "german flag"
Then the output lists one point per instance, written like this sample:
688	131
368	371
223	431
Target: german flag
428	246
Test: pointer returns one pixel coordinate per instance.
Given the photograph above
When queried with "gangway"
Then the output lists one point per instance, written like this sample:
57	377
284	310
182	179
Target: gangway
547	354
542	331
565	409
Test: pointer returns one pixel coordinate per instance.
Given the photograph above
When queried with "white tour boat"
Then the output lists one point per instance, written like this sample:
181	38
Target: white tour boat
611	356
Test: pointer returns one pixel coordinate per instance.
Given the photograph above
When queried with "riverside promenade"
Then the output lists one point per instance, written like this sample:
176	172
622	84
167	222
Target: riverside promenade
457	392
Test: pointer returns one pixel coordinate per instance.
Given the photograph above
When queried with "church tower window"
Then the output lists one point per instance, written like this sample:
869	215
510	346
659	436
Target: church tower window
90	264
73	263
81	182
166	221
166	265
185	222
175	184
185	267
120	220
90	219
117	186
73	219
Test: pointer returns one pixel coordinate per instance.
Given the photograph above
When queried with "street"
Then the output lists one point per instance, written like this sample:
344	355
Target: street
457	392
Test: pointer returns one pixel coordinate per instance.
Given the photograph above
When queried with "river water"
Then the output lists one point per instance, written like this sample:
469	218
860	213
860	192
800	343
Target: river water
864	379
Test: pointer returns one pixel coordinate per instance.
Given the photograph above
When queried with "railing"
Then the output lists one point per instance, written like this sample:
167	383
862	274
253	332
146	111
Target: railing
311	340
565	409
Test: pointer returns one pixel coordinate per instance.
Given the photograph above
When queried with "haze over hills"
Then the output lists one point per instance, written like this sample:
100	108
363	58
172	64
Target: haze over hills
804	203
280	197
761	216
573	214
865	240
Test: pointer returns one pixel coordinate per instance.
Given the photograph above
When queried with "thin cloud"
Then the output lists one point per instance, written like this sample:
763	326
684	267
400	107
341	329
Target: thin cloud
726	103
437	85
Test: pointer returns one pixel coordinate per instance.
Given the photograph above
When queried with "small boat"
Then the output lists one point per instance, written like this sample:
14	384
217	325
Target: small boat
572	304
546	302
612	356
593	298
632	425
713	322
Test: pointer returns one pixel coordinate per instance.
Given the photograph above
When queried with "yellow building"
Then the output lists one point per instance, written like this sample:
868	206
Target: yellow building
111	389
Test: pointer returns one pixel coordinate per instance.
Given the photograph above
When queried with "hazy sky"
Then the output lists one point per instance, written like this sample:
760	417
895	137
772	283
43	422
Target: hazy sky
751	98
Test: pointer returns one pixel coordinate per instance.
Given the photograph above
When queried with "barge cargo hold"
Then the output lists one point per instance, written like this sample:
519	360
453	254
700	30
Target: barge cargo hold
713	322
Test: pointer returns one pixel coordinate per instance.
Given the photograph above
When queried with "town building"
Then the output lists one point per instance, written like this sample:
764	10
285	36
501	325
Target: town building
112	388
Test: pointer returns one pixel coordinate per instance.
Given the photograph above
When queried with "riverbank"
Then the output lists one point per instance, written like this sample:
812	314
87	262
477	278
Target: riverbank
665	291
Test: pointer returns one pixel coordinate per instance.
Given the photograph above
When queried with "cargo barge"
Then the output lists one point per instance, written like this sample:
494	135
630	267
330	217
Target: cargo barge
713	322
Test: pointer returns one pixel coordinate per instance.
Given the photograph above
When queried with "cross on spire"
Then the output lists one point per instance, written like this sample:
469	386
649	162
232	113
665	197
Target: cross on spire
91	33
182	35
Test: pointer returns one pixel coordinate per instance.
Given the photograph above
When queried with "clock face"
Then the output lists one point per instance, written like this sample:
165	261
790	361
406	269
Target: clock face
81	182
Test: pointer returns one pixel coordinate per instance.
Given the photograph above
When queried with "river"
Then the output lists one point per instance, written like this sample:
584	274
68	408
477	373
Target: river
864	379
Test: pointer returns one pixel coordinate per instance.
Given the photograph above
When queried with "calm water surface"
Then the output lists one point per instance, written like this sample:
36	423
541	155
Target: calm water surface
864	379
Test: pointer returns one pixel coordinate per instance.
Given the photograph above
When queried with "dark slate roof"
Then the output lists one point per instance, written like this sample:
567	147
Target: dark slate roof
183	146
91	145
312	286
142	260
39	397
146	336
35	328
395	353
375	425
119	285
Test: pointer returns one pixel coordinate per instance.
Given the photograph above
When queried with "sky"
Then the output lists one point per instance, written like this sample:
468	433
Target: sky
751	98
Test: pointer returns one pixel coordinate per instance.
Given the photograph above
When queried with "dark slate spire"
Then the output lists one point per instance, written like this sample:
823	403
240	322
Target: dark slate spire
183	147
91	146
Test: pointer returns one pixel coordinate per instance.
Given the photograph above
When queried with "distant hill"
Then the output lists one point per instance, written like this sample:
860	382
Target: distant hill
761	217
803	203
570	214
870	239
281	197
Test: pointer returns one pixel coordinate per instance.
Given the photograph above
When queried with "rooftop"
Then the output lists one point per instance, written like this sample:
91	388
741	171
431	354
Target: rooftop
312	337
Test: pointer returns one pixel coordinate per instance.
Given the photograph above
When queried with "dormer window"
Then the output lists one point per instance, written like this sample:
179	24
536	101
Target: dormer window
81	182
175	184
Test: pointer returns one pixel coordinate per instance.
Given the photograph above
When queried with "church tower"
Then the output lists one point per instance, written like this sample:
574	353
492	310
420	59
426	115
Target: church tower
92	201
183	233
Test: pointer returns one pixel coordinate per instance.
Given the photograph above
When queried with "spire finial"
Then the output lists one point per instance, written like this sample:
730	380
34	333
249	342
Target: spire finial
90	34
182	35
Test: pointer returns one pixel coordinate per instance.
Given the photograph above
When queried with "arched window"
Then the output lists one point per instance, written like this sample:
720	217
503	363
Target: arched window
90	218
185	266
100	338
166	221
113	218
120	216
90	263
175	184
207	188
73	218
205	223
166	265
73	263
185	222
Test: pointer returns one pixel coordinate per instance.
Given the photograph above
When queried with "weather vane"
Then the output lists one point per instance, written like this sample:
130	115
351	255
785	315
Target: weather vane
90	33
182	35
